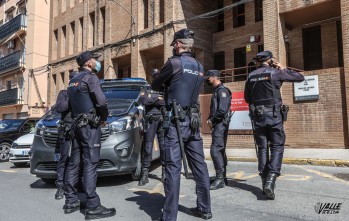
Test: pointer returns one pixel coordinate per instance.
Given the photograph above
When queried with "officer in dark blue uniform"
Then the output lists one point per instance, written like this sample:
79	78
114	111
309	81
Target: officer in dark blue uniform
64	126
153	103
267	112
218	121
181	78
90	112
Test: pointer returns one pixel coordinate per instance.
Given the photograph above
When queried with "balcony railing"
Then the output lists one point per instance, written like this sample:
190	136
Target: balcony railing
17	23
11	62
9	97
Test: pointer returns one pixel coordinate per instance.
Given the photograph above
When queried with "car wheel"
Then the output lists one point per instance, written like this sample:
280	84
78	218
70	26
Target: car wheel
136	174
20	164
4	151
48	180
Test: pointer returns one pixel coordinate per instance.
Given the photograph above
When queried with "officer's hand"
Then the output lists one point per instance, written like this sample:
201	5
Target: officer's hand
209	123
104	123
278	65
160	98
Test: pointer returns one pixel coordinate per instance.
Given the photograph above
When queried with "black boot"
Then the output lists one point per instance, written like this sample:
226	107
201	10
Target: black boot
198	213
99	212
60	191
264	180
218	182
270	186
70	208
144	178
163	174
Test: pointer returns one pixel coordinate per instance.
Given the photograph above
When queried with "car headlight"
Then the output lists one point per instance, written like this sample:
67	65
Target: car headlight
14	145
121	124
39	128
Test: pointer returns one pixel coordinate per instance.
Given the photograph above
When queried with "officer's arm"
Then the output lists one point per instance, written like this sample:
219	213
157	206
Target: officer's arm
98	97
247	93
160	81
223	105
62	103
288	75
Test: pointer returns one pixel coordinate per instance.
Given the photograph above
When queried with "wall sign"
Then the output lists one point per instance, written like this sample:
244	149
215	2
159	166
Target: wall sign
240	119
308	90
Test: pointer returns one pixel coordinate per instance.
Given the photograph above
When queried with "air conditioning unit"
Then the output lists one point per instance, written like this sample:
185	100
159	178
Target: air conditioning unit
11	44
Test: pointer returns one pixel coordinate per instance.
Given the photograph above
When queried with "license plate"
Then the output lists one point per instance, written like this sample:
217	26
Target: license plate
25	152
57	156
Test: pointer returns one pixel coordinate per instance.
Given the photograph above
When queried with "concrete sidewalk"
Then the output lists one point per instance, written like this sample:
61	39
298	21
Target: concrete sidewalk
319	157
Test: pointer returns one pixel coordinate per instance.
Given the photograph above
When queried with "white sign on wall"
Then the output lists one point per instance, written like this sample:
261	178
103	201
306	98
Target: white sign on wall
307	90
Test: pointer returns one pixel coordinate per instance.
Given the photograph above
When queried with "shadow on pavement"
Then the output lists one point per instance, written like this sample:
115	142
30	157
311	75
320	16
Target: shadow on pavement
39	184
150	203
113	180
258	192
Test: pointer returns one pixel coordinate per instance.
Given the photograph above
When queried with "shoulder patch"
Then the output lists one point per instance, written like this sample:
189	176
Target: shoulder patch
224	94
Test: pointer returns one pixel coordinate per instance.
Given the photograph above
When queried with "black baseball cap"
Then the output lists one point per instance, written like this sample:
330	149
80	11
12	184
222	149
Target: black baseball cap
263	56
82	58
212	73
182	34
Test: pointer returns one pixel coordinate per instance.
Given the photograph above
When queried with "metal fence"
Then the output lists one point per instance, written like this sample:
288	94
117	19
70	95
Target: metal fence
12	26
11	62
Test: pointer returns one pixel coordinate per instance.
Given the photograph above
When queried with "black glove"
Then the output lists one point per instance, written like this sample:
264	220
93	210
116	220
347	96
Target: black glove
195	121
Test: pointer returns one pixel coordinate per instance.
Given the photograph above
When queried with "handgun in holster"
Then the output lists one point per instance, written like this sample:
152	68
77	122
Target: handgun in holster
167	120
284	112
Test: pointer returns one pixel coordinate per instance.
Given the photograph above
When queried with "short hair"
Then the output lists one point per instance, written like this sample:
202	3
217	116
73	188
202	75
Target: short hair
187	44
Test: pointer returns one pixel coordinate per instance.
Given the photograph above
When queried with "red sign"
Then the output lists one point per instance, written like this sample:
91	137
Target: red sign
238	102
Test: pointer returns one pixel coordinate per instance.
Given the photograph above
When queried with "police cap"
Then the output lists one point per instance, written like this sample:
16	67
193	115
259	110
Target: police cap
182	34
212	73
263	56
85	56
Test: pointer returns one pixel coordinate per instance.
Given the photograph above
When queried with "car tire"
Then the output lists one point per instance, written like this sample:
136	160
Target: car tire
48	180
136	174
4	151
20	164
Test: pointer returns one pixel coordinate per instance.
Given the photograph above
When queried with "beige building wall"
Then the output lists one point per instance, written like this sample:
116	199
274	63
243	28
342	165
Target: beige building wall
30	37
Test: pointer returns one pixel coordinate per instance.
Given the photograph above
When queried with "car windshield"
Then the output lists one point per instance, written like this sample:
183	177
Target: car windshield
52	114
10	125
120	99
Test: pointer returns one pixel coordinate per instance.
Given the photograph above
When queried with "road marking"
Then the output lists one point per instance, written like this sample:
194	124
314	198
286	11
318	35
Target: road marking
158	189
9	171
292	177
326	175
240	175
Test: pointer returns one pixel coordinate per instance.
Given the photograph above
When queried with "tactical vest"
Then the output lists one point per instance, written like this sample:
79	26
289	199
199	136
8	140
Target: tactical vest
80	101
263	89
187	88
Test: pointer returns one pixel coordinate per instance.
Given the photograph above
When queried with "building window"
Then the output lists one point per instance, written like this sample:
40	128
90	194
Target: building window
238	15
219	60
92	29
162	11
103	24
312	48
1	22
62	79
120	73
9	15
240	72
55	44
9	85
64	40
22	9
72	38
81	28
258	8
146	13
260	48
340	44
220	22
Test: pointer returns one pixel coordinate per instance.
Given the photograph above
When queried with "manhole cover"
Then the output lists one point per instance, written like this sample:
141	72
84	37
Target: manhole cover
343	176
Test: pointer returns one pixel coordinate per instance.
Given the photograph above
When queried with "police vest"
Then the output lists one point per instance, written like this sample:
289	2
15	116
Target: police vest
186	89
263	89
214	99
80	101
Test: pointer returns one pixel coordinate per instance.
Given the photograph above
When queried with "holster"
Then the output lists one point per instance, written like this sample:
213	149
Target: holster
284	112
167	120
227	118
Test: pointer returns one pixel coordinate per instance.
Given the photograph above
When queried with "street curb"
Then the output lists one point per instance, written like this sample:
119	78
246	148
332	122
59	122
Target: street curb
296	161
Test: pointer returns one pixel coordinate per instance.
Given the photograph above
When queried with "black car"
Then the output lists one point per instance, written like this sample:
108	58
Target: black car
121	139
10	130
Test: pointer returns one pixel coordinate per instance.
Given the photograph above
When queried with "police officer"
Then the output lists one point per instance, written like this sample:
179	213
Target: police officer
153	103
64	126
218	121
181	78
267	112
90	112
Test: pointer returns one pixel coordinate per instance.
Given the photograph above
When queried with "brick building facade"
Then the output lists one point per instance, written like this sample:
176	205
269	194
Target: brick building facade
134	37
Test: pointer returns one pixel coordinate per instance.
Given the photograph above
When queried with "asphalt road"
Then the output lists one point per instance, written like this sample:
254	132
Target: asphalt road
299	190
